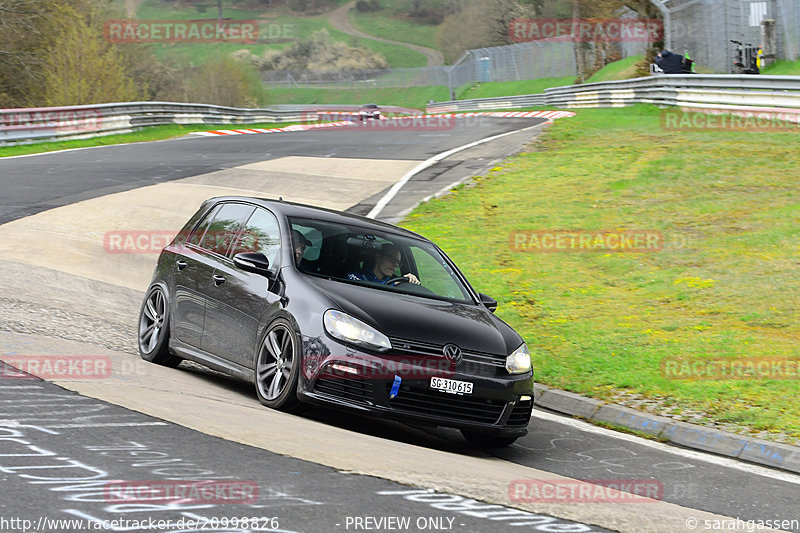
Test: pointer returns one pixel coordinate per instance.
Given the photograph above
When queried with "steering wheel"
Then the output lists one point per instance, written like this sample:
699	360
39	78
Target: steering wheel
396	280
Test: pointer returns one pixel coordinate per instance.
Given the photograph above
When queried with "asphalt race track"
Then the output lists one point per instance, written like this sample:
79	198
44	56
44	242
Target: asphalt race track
63	443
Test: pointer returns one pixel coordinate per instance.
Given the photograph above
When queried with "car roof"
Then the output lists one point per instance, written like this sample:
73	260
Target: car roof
293	209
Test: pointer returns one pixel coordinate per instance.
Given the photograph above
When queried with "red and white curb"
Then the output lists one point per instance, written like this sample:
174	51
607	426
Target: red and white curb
510	114
296	127
549	115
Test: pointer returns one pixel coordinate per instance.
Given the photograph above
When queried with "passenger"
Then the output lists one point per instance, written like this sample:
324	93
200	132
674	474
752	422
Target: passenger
300	243
386	261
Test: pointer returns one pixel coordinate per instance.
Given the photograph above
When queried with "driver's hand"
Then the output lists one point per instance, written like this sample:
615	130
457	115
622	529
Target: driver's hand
412	278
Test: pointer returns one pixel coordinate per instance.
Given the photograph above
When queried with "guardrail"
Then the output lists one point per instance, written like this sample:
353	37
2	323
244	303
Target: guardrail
720	91
502	102
22	126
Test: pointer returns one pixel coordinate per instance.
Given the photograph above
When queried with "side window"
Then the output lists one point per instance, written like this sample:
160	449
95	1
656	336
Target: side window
312	235
200	231
436	276
222	230
261	234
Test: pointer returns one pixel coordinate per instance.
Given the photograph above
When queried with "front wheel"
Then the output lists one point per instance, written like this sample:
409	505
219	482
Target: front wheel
277	367
487	440
154	328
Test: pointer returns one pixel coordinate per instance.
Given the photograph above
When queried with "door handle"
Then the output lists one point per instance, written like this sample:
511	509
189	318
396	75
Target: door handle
181	264
218	280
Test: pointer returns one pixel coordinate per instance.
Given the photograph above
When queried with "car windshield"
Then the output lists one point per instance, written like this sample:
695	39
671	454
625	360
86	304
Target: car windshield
369	257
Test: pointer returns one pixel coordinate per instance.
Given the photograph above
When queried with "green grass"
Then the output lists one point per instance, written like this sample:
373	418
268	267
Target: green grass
783	68
397	55
725	284
509	88
151	133
618	70
389	25
279	27
413	97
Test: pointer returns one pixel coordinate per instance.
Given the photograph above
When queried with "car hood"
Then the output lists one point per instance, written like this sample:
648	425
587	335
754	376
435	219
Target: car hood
402	316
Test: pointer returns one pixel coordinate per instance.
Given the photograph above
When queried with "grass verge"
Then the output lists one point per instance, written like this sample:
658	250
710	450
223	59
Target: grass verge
724	286
618	70
510	88
783	68
390	25
150	133
413	97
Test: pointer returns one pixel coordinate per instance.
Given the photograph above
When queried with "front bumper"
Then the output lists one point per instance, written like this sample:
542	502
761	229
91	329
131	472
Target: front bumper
500	404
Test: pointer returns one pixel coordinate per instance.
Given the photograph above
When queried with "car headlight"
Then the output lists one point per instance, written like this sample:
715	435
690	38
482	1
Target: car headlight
519	361
346	328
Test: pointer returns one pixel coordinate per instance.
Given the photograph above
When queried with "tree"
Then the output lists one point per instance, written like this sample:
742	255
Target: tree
21	37
225	82
487	22
82	67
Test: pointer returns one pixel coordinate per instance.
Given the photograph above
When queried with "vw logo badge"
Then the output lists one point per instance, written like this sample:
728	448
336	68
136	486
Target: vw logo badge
453	354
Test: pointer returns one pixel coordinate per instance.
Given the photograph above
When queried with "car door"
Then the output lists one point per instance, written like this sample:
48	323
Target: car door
189	303
238	300
195	266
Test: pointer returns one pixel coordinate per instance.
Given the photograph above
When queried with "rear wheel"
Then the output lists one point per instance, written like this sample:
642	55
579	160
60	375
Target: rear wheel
154	328
277	367
487	440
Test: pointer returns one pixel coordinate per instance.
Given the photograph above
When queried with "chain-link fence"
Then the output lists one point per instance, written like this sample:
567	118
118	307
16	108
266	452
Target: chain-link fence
707	29
524	61
703	28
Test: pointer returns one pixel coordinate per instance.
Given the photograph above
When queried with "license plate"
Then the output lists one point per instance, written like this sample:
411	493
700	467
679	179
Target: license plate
451	386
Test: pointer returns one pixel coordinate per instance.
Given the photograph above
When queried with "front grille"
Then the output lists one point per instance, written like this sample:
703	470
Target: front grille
482	360
355	389
463	408
521	414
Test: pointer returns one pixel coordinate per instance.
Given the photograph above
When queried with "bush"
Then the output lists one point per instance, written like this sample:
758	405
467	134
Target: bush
320	53
226	82
309	6
366	6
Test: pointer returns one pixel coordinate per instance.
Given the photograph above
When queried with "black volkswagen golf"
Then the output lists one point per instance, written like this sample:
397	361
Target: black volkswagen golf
321	307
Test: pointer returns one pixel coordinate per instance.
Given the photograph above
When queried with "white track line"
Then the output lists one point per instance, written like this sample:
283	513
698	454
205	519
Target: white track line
391	193
586	427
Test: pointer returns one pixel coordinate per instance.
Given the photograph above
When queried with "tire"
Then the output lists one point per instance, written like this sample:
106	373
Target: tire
277	366
486	440
153	331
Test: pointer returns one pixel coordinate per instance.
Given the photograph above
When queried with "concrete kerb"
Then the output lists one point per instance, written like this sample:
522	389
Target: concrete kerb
750	449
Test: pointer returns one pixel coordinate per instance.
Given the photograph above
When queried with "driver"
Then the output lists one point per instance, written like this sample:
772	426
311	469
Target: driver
386	261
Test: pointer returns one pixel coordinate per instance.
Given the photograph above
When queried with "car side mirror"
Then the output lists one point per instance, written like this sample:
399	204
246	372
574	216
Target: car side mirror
489	302
254	262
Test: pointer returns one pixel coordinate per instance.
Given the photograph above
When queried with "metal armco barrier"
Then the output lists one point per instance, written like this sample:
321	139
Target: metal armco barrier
22	126
720	91
502	102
